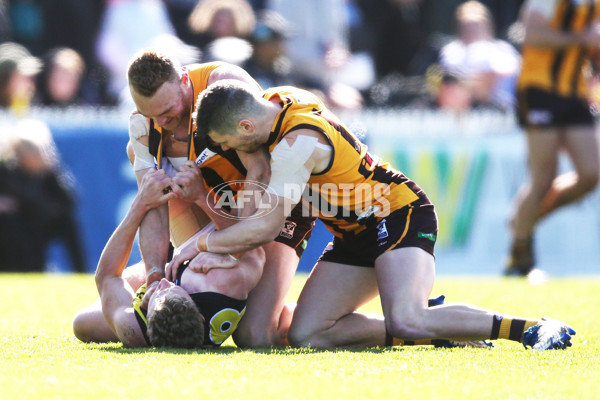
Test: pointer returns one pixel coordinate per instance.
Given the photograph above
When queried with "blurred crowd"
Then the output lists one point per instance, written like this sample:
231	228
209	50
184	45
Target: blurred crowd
355	53
438	54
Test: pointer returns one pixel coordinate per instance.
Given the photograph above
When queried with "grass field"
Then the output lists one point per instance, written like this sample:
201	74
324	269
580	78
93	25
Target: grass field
40	359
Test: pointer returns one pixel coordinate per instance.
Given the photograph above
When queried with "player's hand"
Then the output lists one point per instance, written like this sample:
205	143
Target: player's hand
187	253
150	289
205	261
188	184
151	193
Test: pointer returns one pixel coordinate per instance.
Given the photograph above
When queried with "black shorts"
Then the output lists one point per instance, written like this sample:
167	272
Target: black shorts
539	108
412	226
296	230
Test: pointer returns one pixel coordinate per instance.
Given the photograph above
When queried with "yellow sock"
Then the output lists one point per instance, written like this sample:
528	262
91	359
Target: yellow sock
510	328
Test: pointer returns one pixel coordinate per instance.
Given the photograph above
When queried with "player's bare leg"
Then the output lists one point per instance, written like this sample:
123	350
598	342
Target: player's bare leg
325	316
544	146
405	278
267	318
582	146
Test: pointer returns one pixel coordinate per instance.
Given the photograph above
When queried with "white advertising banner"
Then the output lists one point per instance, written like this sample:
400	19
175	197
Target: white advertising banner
471	168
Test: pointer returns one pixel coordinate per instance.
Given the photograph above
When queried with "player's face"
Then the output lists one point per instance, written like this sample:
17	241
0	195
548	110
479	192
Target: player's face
162	289
167	107
241	142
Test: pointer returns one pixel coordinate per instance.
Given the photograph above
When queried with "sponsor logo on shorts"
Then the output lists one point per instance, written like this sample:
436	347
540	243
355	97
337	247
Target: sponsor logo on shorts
539	117
288	230
429	236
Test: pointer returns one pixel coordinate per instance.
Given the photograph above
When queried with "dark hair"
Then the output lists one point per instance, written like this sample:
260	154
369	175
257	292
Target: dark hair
148	70
220	107
176	322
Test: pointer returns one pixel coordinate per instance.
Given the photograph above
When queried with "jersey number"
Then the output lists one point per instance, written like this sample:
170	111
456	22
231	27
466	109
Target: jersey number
224	323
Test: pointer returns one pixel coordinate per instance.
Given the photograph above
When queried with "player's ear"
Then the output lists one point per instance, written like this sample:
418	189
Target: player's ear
185	78
246	126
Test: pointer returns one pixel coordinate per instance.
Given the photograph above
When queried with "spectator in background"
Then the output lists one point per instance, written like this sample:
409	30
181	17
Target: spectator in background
37	206
214	19
75	24
397	30
179	13
446	91
59	83
319	51
319	44
268	65
127	26
18	69
506	13
491	65
555	112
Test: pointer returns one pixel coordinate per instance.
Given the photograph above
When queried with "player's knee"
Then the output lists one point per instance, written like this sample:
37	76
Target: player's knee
251	333
305	336
246	336
540	187
82	328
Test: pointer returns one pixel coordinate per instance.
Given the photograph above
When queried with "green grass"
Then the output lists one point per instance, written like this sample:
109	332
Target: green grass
40	359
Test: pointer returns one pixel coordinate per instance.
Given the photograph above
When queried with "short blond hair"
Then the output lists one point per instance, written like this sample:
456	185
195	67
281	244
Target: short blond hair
149	69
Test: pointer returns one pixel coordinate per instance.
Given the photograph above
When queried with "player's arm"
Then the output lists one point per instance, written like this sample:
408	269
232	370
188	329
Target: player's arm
292	162
258	171
154	229
188	185
115	292
536	18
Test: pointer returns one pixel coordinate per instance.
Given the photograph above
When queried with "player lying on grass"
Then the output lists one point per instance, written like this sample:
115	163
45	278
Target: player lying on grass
197	310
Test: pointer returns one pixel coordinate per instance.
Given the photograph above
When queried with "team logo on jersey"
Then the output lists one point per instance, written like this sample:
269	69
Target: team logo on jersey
288	230
205	155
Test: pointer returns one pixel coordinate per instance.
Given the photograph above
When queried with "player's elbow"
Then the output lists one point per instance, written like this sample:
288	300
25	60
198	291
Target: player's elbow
99	278
130	153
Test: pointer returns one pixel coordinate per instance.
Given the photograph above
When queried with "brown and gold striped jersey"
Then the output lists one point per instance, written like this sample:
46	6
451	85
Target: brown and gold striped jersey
561	70
354	178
